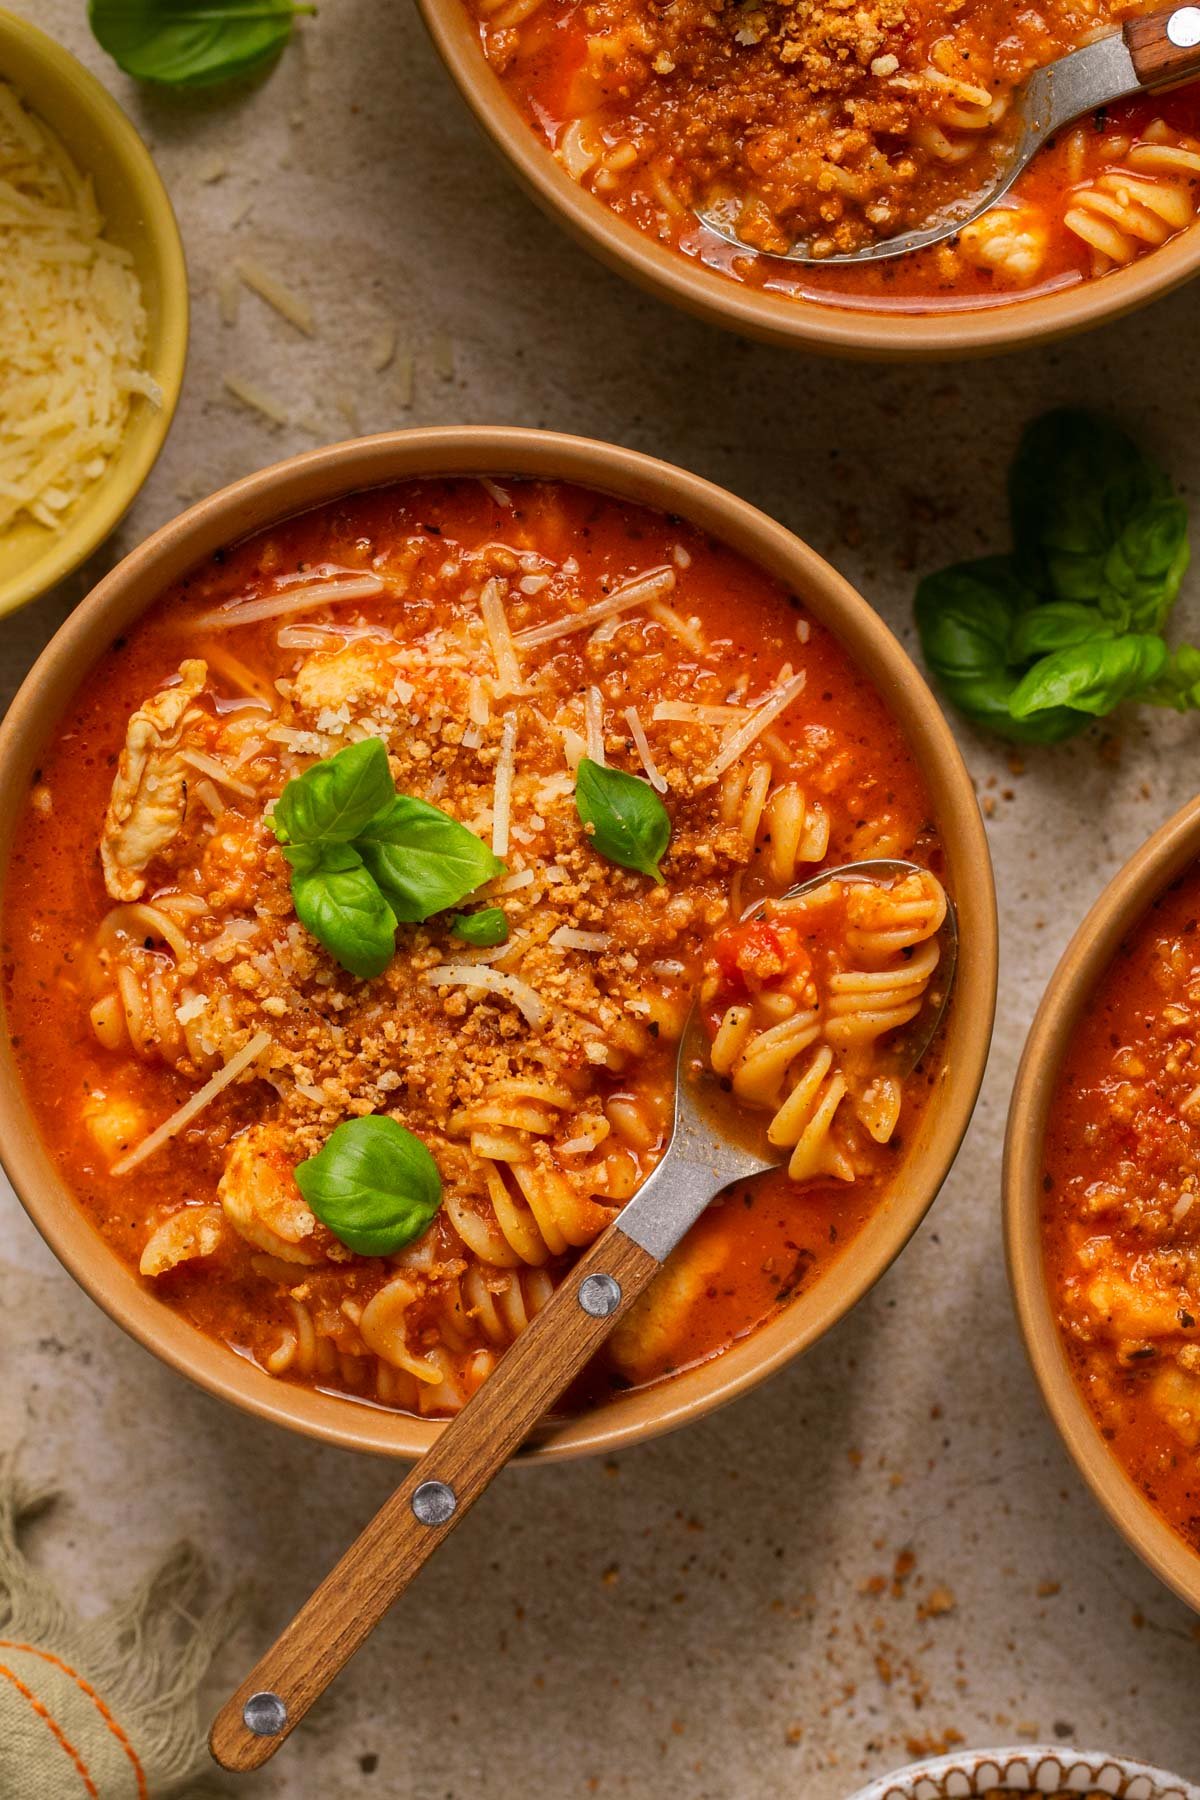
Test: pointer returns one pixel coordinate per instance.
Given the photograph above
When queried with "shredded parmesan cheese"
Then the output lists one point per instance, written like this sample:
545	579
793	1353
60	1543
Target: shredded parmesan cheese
283	300
383	349
594	712
502	801
209	765
689	712
500	637
641	744
312	595
511	884
739	741
72	328
686	630
228	295
528	1004
239	1061
567	938
635	593
257	399
574	748
478	709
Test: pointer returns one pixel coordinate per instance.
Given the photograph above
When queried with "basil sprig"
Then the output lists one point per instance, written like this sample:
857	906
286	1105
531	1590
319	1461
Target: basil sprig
365	859
374	1185
1036	644
623	816
484	929
193	43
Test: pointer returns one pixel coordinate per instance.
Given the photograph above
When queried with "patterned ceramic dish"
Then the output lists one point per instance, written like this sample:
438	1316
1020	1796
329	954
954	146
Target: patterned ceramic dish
1033	1769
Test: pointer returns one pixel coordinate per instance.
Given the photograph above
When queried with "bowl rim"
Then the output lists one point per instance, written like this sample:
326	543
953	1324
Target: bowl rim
320	475
1125	900
1031	1760
123	480
865	333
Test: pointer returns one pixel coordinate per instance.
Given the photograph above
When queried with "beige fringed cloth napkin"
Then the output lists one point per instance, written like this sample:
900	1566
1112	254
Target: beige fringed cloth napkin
103	1708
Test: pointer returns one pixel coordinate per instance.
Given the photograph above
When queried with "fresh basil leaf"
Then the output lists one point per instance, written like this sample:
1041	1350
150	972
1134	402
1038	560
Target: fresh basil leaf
1057	625
483	929
966	616
1091	678
423	860
337	900
373	1184
1094	520
629	823
1179	683
193	43
335	799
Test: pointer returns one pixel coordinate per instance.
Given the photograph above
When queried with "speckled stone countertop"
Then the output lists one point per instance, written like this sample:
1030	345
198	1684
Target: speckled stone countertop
884	1549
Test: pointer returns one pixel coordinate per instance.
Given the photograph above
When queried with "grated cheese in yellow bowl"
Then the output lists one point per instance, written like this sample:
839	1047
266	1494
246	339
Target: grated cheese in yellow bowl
72	327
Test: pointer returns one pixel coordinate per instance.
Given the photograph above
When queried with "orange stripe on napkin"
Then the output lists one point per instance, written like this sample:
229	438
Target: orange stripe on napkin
87	1688
89	1785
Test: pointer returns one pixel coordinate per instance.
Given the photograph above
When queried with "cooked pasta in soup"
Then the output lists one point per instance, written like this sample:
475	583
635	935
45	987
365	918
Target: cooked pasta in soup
1121	1217
360	902
833	126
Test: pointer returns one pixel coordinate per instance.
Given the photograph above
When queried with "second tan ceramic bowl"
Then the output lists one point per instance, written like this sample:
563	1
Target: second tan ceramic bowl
1122	904
869	334
264	499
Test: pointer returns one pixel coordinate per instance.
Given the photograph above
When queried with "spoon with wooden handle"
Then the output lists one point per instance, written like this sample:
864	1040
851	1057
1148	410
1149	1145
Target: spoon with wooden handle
1157	51
533	1372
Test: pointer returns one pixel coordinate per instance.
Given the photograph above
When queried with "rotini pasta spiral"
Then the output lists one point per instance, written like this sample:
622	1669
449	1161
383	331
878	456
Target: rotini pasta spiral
872	980
1140	203
779	825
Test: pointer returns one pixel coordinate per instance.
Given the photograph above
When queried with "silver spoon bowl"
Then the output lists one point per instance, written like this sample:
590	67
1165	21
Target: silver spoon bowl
1149	53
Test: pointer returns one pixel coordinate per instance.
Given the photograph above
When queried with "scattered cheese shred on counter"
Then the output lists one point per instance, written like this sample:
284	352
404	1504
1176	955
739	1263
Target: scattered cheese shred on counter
72	327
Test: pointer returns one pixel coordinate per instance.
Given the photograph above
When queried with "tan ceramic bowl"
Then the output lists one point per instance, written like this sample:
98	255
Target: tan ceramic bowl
139	217
1122	904
866	333
262	500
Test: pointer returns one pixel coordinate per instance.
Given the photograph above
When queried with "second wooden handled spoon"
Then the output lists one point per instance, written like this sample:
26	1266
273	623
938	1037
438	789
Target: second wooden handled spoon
533	1372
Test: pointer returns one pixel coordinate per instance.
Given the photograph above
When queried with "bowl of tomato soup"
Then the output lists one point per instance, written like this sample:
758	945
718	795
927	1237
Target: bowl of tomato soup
834	128
1100	1169
375	826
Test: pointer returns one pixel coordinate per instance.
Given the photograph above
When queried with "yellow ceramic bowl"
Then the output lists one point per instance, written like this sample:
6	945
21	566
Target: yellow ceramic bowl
134	202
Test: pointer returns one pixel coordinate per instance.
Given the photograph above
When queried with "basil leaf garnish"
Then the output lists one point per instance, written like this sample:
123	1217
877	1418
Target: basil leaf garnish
422	859
483	929
335	799
365	858
1036	645
339	903
968	617
373	1184
1096	520
193	43
628	822
1092	678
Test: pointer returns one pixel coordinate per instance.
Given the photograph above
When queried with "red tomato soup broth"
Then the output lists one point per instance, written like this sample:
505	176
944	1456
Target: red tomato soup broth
153	942
1122	1240
836	128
